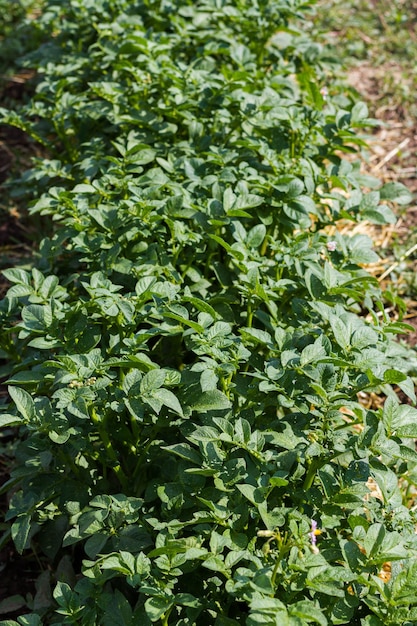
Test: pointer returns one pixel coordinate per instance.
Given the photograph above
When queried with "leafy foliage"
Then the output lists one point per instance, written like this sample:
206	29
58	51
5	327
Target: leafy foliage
185	359
17	35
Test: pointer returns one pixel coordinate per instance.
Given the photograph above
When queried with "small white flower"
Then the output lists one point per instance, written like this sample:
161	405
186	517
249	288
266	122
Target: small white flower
324	92
331	246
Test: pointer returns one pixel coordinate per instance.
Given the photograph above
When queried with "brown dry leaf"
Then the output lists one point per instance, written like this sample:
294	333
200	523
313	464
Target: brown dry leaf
385	572
371	400
374	490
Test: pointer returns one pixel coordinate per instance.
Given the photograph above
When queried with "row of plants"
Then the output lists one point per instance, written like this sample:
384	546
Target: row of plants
184	358
18	35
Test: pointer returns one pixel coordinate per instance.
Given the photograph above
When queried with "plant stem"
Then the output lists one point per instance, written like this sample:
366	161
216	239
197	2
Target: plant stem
117	469
311	473
249	313
165	616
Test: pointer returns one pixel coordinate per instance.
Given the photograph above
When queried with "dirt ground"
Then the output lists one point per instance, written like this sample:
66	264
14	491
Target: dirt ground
393	157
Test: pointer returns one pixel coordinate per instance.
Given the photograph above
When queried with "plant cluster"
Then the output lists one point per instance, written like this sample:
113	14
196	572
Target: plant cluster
185	357
17	34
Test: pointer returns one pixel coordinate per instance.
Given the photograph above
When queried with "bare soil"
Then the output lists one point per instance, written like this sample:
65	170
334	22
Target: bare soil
393	157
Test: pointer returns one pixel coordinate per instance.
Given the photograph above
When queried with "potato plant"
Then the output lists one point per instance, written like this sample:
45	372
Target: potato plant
184	358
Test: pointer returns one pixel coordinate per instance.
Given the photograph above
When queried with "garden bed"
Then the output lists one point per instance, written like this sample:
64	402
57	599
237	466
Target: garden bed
190	351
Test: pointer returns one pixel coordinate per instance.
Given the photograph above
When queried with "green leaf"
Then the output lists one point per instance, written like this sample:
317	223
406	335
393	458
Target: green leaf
248	201
185	451
201	305
314	284
214	400
208	380
341	332
10	420
31	619
407	431
359	113
394	376
118	612
215	564
157	606
308	611
379	215
256	236
152	380
401	419
232	251
242	431
396	192
20	531
255	335
323	579
229	199
408	454
403	585
16	275
24	403
381	546
268	611
312	352
167	398
407	386
343	610
186	599
253	494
